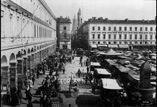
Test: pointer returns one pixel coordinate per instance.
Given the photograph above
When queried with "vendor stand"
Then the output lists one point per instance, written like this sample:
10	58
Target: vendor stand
111	92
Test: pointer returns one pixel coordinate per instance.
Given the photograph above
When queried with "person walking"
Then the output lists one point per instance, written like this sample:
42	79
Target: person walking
63	68
79	73
33	79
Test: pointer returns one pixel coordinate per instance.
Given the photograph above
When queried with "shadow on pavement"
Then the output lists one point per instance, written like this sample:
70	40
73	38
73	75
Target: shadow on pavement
91	100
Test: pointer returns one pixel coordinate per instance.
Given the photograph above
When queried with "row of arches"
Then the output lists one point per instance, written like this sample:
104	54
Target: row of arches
14	67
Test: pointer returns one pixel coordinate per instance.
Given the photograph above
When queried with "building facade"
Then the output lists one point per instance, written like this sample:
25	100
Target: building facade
64	33
28	35
119	33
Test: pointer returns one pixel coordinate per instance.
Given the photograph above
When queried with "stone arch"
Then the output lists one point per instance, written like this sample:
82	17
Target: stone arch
29	51
4	60
12	58
32	50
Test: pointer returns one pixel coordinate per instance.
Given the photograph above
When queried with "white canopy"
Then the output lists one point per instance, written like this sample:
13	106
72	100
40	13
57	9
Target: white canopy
102	71
111	84
95	64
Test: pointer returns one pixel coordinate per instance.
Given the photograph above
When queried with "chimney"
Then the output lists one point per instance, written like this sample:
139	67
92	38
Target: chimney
126	19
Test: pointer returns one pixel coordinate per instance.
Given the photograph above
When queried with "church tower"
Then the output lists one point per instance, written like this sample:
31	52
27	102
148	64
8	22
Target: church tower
79	20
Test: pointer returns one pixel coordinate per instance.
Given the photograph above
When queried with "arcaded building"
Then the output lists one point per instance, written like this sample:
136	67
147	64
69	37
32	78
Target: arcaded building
28	35
126	33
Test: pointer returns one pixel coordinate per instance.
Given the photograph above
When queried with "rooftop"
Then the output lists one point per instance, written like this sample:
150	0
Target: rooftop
63	20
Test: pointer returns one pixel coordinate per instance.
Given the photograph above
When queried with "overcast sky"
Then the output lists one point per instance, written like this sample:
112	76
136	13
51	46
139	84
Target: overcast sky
112	9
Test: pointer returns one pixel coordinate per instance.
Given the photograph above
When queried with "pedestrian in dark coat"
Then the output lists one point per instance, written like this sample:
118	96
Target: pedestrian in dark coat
29	104
19	94
79	73
33	79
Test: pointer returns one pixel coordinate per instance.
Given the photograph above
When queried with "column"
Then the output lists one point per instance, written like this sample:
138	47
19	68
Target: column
19	73
13	75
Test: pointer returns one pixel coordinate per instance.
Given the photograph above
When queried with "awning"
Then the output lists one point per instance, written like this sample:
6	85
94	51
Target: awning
113	46
95	64
102	71
123	46
93	46
103	45
111	84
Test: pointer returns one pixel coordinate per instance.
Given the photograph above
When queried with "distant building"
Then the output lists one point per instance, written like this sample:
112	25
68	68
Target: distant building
28	35
77	22
64	33
137	34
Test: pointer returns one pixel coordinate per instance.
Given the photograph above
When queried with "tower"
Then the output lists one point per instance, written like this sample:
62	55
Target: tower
74	27
79	18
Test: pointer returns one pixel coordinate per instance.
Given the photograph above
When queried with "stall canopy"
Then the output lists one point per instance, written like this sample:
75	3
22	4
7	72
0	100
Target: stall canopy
112	52
102	71
113	46
93	46
123	46
95	64
111	84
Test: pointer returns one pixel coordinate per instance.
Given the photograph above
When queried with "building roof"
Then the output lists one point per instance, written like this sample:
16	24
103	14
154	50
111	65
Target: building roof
63	20
126	21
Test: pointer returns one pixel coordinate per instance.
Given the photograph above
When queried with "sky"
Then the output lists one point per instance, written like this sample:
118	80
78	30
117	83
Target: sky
111	9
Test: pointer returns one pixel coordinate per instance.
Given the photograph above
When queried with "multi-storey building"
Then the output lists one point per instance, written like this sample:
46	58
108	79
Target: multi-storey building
28	35
119	33
64	33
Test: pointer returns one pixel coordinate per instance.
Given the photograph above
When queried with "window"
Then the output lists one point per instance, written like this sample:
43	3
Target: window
140	28
109	28
135	36
125	36
130	28
125	28
64	28
151	29
93	36
115	42
93	28
140	42
120	42
146	28
151	36
126	42
109	36
98	36
104	36
146	42
98	42
104	42
120	36
98	28
145	36
65	35
2	13
140	36
115	36
93	42
114	28
104	28
136	42
130	36
109	42
135	28
120	28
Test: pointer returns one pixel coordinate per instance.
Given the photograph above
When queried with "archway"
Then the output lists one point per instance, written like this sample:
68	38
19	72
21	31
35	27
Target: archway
32	59
13	72
20	78
4	73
